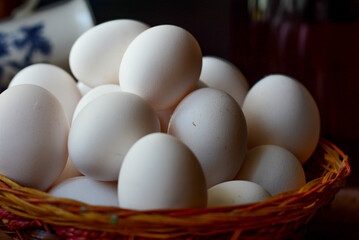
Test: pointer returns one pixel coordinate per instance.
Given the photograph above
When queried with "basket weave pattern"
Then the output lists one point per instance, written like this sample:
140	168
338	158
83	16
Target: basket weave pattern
279	217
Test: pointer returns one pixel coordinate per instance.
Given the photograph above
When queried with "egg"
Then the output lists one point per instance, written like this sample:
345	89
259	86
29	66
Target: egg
54	79
161	172
96	55
69	171
280	111
211	123
222	74
33	136
83	88
236	192
200	84
87	190
162	65
273	167
105	129
164	116
94	93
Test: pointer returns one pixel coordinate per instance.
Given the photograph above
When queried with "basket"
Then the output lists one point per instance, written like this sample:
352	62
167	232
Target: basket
27	211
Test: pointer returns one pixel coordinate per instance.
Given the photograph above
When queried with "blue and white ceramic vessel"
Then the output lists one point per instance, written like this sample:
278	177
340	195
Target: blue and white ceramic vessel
46	35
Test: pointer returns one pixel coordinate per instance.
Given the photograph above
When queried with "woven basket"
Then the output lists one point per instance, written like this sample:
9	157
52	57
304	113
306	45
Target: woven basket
26	210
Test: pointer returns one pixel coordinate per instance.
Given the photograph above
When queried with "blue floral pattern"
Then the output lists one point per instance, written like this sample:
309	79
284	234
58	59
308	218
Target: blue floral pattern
28	40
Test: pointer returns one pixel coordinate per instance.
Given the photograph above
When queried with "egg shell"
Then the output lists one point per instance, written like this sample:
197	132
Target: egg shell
96	55
69	171
236	192
87	190
162	65
54	79
273	167
280	111
94	93
164	116
105	129
222	74
200	84
83	88
33	136
161	172
211	123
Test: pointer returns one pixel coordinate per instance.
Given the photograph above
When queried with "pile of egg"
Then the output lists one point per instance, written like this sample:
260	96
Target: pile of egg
144	121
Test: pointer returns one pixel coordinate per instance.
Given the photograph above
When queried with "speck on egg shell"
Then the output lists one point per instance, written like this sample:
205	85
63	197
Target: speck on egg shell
33	136
211	123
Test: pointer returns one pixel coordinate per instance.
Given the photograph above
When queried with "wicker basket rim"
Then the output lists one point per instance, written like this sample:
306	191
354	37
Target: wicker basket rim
292	206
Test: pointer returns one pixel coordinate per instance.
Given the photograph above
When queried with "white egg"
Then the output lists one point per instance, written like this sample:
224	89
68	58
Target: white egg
54	79
161	172
83	88
94	93
69	171
162	65
211	123
236	192
105	129
33	136
200	84
87	190
96	55
280	111
273	167
222	74
164	116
